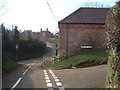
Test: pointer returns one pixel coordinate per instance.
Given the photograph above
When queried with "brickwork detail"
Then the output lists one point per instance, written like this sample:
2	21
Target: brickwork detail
72	36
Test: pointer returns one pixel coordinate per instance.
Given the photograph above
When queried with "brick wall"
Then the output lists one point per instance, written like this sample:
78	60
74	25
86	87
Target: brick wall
72	36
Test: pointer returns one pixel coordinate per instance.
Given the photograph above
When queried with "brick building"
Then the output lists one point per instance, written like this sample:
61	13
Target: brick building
85	26
45	34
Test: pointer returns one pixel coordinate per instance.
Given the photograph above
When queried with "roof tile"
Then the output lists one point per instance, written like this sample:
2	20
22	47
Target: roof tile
86	16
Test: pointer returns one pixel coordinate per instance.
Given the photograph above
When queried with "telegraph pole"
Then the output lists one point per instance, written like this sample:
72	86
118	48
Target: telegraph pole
16	52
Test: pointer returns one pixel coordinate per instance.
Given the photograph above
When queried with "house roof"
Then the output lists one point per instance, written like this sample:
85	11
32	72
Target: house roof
86	16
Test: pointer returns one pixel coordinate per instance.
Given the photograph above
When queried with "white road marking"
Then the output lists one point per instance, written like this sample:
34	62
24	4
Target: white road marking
49	84
55	77
47	81
29	67
45	71
18	81
56	80
51	71
47	78
58	84
25	72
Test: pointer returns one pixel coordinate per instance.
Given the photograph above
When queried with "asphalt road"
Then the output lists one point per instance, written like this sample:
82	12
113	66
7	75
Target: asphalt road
31	75
92	77
9	79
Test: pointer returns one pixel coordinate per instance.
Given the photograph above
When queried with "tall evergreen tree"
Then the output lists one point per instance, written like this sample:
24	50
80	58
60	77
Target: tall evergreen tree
16	35
5	39
4	32
113	32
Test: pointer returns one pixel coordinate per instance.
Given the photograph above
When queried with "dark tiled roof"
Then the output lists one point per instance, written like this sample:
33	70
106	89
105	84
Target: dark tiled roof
86	16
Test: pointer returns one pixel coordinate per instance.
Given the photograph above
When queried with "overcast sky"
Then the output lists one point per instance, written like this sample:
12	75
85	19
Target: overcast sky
35	14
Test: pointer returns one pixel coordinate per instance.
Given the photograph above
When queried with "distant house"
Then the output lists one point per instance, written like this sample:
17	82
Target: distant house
45	34
84	27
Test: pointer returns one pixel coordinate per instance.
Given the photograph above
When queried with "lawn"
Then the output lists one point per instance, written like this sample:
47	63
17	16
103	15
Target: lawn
81	59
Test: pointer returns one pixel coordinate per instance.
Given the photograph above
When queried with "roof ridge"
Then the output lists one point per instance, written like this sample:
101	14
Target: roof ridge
86	15
93	8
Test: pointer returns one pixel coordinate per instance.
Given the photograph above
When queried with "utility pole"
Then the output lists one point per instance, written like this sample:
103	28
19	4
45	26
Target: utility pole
16	52
56	49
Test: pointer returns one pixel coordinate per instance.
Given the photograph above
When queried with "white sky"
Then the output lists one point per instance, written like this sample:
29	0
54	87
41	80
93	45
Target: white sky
35	14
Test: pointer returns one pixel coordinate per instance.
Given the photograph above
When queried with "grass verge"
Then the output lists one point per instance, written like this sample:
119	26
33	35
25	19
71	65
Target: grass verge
8	62
81	59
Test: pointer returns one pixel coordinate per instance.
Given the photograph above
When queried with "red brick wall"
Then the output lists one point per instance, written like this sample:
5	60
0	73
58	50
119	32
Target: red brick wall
81	26
72	36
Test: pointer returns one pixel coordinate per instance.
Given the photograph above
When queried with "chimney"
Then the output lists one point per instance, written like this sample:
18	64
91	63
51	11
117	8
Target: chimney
46	29
41	29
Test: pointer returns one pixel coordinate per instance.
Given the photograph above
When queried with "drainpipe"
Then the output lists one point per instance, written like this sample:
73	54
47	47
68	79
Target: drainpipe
67	40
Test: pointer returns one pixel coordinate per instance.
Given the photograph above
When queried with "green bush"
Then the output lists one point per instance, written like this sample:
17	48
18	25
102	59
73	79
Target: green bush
113	37
27	48
31	49
52	40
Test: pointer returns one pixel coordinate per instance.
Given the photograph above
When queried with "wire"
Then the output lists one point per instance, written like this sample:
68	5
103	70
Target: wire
51	11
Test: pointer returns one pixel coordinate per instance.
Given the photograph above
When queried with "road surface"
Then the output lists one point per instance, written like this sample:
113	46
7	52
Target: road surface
31	75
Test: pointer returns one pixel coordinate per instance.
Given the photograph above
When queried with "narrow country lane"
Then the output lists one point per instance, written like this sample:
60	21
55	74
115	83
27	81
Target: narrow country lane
29	75
36	77
32	75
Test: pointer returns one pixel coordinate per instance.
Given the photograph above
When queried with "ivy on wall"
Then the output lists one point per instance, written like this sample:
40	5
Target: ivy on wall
113	37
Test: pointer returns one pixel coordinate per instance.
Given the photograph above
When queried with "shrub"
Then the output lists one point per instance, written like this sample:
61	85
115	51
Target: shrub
113	33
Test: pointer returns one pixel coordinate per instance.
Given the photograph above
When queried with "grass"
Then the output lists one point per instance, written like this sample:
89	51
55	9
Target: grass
52	40
80	58
8	62
9	65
